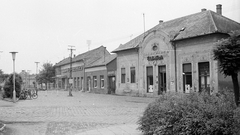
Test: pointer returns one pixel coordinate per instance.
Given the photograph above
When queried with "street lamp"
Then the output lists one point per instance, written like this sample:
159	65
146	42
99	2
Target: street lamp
14	91
36	77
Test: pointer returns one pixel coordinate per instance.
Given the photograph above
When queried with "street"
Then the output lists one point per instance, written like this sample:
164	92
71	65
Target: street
54	113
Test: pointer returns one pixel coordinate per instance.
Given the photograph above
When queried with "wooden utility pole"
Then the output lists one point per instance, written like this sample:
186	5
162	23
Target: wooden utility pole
70	75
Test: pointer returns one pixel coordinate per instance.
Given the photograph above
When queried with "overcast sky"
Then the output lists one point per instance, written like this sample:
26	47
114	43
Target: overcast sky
41	30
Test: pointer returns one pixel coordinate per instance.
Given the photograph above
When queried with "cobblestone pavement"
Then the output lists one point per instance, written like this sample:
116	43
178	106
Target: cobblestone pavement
54	112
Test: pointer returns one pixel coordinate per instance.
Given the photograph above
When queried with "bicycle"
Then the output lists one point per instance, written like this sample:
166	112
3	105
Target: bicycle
28	93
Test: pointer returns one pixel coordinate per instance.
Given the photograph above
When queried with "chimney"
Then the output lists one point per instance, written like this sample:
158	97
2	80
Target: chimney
160	21
204	9
219	9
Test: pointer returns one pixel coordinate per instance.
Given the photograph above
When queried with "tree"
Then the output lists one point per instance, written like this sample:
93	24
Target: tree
227	52
46	74
3	76
8	86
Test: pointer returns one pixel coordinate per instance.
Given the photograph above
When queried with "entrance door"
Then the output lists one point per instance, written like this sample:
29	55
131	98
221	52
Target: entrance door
161	79
88	83
111	84
204	77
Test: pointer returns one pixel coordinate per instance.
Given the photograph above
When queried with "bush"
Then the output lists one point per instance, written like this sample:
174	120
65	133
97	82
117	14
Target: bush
8	86
191	114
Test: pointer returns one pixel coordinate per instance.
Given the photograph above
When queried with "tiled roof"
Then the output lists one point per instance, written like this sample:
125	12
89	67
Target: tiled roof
202	23
103	61
89	56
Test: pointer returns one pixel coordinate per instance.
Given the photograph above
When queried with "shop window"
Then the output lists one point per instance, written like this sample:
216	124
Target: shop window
149	79
81	86
133	75
187	77
95	81
123	75
75	82
102	81
78	82
204	77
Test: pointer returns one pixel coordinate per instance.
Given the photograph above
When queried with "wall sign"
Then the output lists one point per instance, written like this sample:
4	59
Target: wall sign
153	58
74	69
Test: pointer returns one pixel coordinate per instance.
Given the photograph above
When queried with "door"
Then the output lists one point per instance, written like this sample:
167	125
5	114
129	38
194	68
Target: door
112	84
204	77
88	83
161	79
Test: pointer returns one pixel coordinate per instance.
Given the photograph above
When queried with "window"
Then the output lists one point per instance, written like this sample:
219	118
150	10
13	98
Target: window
132	69
95	81
204	77
187	77
149	79
123	75
102	81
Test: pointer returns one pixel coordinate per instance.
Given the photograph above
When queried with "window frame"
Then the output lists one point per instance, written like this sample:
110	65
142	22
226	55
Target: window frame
133	74
102	83
94	83
123	75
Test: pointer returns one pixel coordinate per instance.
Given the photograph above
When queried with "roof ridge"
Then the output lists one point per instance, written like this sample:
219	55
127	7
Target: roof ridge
213	21
225	17
89	51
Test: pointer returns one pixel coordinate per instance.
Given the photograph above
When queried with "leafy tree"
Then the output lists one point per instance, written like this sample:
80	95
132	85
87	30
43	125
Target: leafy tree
46	74
227	52
8	86
3	76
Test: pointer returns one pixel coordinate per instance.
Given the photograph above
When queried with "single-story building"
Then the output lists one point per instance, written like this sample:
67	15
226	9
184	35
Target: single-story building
175	55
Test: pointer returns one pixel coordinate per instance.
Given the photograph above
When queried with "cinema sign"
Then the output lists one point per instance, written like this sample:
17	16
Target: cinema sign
154	58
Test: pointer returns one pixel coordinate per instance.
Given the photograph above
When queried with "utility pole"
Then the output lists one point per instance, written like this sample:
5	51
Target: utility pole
70	76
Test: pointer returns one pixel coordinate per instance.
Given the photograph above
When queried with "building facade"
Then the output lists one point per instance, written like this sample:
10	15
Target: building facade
174	56
29	80
101	75
89	71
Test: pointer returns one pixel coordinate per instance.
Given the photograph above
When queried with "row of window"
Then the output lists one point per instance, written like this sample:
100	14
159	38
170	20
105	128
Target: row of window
79	84
101	81
132	75
203	70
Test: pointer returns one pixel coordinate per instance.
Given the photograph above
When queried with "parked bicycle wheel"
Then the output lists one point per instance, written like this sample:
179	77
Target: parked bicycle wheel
34	95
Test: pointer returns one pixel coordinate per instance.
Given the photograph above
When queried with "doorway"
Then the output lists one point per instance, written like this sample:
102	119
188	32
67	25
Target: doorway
204	77
161	79
88	83
111	84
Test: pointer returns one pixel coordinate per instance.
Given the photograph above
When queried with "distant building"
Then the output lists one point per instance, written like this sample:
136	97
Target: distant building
175	55
29	80
89	71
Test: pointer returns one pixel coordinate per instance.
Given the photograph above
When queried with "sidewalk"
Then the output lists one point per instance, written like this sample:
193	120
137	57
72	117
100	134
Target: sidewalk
126	129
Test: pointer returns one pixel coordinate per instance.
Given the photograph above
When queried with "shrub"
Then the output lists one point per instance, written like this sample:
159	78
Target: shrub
8	86
191	114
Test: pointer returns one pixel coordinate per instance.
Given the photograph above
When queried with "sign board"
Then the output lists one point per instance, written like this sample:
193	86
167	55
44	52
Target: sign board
71	81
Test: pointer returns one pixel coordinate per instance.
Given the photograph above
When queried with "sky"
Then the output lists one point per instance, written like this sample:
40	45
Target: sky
42	30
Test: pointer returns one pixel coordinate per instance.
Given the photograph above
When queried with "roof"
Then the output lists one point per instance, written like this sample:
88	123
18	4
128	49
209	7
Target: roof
88	57
202	23
103	61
